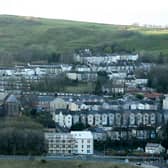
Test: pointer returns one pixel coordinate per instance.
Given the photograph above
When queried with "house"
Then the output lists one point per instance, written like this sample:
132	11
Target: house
82	68
73	106
87	76
154	148
113	134
59	118
83	118
75	118
82	76
43	102
143	134
3	95
97	117
91	99
94	105
12	106
90	119
132	119
113	88
118	117
66	67
104	119
58	103
111	119
72	75
116	74
98	133
114	105
145	119
63	118
68	121
165	102
141	81
83	142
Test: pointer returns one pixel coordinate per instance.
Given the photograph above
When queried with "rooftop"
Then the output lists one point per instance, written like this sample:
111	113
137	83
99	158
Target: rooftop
82	134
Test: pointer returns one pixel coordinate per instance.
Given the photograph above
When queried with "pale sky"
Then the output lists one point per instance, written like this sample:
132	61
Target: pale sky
102	11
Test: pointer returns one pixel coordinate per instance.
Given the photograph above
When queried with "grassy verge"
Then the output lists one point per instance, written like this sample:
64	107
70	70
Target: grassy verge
60	164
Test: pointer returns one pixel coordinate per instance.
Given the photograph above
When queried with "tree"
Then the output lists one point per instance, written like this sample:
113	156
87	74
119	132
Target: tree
140	96
98	88
54	57
108	50
158	78
165	136
21	136
45	119
78	127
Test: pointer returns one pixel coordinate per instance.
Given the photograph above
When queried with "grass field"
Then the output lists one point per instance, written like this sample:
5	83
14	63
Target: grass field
81	88
59	164
37	38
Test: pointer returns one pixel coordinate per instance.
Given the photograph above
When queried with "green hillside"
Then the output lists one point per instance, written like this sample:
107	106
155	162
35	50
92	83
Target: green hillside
27	38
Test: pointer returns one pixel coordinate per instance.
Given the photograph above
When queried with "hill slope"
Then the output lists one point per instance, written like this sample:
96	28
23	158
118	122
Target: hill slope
26	38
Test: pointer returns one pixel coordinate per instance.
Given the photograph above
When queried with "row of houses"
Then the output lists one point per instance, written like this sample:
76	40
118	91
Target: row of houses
35	70
107	118
88	103
108	58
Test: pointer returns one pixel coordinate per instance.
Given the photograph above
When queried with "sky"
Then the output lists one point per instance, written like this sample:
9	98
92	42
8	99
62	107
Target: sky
125	12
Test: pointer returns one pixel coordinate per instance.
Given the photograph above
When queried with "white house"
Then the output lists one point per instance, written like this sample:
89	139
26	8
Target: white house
75	118
83	142
154	148
104	119
72	106
68	120
111	119
146	119
165	103
132	119
152	118
139	118
90	119
118	119
97	119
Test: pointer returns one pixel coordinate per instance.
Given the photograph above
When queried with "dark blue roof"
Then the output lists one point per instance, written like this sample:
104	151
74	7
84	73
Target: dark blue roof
45	98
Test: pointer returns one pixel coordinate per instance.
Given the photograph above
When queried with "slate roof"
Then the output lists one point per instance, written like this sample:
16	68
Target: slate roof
45	98
11	99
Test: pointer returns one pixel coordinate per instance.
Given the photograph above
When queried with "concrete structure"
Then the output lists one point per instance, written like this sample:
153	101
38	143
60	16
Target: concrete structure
83	142
75	142
60	143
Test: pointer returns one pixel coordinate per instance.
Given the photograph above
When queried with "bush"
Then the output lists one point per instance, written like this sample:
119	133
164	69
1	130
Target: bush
43	161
